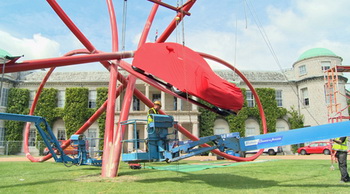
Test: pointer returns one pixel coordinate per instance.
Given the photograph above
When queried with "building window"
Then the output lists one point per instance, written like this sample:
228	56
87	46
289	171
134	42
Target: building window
2	136
305	97
325	65
175	103
61	97
4	97
251	131
279	98
32	138
156	97
61	134
91	135
250	98
92	98
135	104
302	70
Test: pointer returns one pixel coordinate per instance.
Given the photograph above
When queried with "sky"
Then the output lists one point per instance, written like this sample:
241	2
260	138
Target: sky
264	35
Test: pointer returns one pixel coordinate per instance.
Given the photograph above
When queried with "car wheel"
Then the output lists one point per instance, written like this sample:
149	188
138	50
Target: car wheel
271	152
303	152
326	152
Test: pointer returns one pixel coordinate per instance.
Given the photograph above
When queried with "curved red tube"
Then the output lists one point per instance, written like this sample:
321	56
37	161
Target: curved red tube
35	101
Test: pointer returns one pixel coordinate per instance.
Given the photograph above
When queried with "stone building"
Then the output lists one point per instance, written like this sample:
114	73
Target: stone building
301	87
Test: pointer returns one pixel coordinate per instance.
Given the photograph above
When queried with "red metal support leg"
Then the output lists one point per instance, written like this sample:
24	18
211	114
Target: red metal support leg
110	114
118	136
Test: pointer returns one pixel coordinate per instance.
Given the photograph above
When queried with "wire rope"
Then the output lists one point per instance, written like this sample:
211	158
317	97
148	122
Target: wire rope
269	45
125	10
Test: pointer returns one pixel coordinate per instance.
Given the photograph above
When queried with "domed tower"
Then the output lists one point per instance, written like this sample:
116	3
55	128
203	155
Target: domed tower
310	78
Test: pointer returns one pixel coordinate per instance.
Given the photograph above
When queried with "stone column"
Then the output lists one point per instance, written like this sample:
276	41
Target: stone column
162	99
180	135
194	107
147	95
117	108
178	108
145	132
195	130
145	136
130	136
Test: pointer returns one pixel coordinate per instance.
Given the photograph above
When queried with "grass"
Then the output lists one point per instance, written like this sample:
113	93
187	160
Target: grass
281	176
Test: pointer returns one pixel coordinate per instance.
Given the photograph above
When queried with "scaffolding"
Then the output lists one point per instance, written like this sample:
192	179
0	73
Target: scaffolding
332	94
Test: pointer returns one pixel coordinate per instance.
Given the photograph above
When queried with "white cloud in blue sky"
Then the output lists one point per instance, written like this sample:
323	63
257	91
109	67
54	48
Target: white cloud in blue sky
225	28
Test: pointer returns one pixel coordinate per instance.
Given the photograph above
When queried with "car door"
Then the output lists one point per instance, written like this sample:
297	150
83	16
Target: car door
313	148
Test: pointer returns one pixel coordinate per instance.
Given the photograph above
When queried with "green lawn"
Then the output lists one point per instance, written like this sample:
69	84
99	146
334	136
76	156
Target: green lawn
280	176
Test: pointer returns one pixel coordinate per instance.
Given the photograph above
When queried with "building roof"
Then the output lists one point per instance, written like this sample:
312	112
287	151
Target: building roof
253	76
316	52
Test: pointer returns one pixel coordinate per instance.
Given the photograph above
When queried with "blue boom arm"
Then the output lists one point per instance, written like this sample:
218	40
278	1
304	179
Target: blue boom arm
49	138
295	136
221	142
52	143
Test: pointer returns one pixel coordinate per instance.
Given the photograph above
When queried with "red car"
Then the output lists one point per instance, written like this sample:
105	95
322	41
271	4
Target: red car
316	148
188	73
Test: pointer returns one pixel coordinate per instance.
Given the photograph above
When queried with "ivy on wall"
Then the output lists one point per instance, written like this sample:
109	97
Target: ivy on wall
46	107
75	113
272	112
76	110
102	95
18	101
237	122
295	119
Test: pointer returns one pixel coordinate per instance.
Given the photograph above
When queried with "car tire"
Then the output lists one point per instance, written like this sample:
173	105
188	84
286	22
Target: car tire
271	152
303	152
326	152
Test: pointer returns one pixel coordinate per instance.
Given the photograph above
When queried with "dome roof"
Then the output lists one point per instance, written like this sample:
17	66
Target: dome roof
316	52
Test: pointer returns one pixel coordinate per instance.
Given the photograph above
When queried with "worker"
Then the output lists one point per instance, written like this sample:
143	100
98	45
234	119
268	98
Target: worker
341	148
154	110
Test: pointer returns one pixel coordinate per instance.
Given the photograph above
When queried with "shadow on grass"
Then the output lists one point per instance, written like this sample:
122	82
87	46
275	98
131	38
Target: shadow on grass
231	181
225	180
345	185
23	184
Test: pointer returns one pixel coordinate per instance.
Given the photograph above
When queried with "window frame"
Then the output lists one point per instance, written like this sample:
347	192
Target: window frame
302	70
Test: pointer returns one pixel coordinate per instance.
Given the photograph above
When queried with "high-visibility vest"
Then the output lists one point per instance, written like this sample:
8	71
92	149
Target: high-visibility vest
340	147
149	117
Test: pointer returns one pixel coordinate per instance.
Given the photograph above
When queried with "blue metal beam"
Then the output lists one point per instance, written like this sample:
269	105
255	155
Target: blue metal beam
23	118
295	136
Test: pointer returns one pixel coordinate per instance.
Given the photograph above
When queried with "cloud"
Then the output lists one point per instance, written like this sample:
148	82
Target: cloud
37	47
291	29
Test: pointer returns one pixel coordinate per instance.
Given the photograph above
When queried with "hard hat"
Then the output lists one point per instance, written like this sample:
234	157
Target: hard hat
157	103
